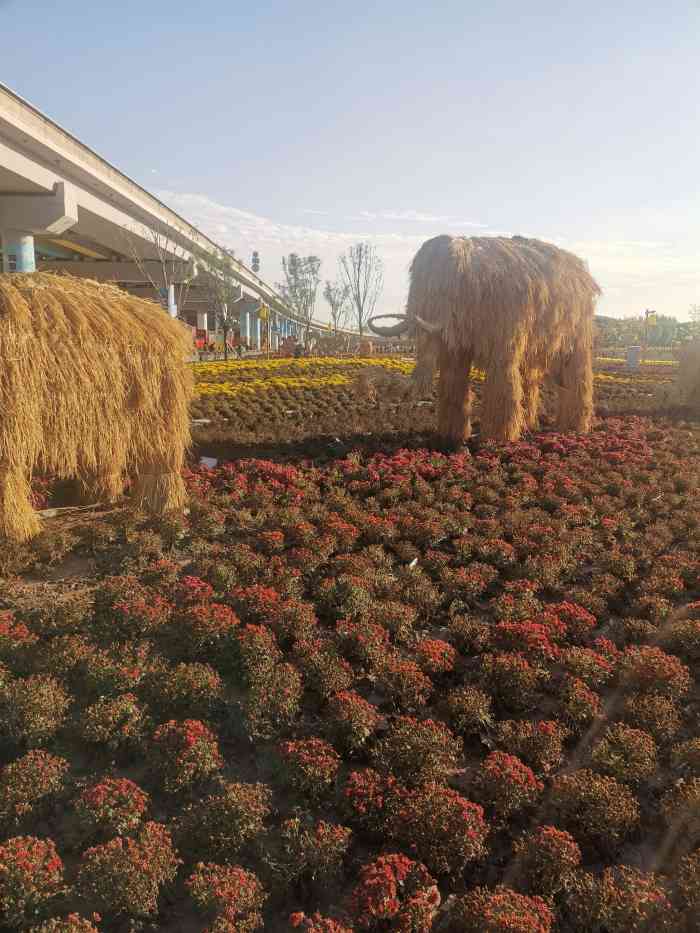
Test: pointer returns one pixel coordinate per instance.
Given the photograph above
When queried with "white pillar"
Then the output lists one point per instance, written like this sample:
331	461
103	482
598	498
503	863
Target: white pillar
202	320
18	251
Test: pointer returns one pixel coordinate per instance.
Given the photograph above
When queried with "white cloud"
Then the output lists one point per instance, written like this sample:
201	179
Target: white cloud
411	216
634	273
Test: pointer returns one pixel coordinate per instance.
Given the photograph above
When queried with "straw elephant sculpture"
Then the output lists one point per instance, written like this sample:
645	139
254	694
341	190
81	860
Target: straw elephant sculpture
519	309
94	387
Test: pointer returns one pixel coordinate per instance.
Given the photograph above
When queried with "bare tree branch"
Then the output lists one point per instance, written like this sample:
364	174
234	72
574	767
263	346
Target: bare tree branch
302	278
363	273
337	295
173	264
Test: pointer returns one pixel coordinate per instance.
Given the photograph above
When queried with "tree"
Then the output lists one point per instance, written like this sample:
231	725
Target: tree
299	290
172	266
337	294
363	274
222	288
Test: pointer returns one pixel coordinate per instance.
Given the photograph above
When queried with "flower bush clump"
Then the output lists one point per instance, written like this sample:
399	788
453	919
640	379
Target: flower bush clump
202	630
505	784
119	722
351	720
316	923
593	668
580	704
323	669
363	640
184	752
404	682
31	877
596	808
620	900
435	656
468	709
217	827
546	859
311	850
29	783
688	882
500	910
416	751
366	800
73	923
124	877
32	709
398	890
310	765
680	807
115	806
685	757
273	700
654	713
439	827
512	679
648	669
228	893
193	688
126	609
627	754
539	744
15	638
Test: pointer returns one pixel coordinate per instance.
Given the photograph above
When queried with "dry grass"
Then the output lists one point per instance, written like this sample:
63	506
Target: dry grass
93	386
688	384
516	308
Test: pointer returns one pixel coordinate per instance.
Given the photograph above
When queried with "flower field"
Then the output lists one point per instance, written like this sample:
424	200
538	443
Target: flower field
269	401
395	690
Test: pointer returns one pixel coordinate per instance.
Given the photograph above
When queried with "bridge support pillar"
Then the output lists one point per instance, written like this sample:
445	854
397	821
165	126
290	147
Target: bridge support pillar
18	251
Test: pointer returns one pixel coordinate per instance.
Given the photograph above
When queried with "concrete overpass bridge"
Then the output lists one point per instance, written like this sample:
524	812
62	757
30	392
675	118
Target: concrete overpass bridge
65	208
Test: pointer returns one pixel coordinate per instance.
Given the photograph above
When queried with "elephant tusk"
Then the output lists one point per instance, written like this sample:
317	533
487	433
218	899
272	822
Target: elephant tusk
431	326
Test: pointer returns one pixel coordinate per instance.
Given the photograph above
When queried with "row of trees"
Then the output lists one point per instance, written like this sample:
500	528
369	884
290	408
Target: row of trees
622	332
351	297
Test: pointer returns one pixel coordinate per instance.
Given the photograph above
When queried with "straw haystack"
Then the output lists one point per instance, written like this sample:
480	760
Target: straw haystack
517	308
93	386
687	385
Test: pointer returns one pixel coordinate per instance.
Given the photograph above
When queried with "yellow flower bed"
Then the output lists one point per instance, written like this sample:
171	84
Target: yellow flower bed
250	377
238	377
615	359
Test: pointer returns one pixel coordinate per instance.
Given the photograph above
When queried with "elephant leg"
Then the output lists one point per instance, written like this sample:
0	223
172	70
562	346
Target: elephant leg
532	382
18	520
454	401
158	489
428	351
101	486
502	415
575	392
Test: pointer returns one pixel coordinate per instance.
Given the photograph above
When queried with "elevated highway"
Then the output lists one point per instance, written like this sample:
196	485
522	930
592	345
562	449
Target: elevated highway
65	208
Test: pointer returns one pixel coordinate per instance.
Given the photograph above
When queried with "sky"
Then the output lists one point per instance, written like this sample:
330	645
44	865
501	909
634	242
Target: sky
307	127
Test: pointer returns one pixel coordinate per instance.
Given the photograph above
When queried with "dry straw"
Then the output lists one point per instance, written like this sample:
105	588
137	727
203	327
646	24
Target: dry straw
688	382
94	386
514	307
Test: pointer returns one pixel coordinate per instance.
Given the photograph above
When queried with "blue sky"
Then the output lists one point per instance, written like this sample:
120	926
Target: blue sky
304	126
